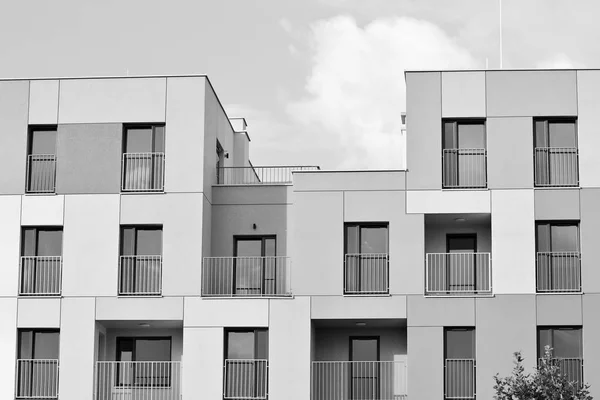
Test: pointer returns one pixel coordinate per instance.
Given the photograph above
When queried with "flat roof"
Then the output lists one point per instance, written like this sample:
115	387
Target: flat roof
416	71
53	78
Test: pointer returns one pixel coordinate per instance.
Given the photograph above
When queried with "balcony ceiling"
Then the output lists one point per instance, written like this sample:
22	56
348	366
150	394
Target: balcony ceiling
129	324
352	323
451	219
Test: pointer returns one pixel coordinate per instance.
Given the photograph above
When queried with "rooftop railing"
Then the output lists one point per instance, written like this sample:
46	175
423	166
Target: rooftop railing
259	175
246	276
458	274
558	272
556	166
359	380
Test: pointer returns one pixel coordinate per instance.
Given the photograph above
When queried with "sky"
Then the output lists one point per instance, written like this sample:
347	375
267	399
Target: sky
320	82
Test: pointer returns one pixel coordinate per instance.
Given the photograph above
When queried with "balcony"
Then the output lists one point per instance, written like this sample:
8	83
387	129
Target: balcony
40	276
572	368
373	380
140	276
37	379
458	274
366	274
246	379
246	277
556	166
259	175
464	168
139	380
41	173
459	379
359	359
558	272
143	172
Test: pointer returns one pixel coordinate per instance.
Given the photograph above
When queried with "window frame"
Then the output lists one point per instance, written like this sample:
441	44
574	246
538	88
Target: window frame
558	119
254	331
39	128
552	223
146	125
37	229
136	227
554	328
455	177
33	331
360	225
462	121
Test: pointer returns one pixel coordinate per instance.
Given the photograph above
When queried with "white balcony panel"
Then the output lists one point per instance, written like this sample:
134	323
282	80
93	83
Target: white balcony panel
43	210
139	309
38	313
448	201
43	102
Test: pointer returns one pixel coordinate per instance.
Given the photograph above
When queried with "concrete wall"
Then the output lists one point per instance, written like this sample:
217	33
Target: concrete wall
89	158
14	107
426	367
10	239
8	347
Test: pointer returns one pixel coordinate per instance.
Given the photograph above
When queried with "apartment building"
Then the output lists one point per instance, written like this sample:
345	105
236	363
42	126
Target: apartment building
146	258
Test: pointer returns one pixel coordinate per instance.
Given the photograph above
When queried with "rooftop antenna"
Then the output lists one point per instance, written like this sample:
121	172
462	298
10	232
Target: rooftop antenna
500	25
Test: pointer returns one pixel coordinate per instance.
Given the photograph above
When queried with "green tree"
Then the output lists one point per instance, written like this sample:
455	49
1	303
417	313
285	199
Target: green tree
545	383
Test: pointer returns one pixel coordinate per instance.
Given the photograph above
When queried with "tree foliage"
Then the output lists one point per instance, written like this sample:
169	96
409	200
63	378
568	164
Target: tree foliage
545	383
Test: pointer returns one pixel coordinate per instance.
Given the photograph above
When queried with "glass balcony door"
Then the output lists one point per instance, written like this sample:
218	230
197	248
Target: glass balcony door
254	268
364	368
461	271
37	364
464	154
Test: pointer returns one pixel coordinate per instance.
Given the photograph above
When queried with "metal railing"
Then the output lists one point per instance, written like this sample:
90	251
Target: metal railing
140	275
143	172
572	368
359	380
37	379
245	379
137	380
41	173
40	276
458	274
558	272
259	175
459	379
366	273
556	166
246	276
464	168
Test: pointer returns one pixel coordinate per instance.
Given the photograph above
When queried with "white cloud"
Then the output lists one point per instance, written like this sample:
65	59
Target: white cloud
558	61
355	91
286	25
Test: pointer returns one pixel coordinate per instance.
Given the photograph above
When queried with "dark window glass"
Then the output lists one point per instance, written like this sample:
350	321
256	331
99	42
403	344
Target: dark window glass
566	342
38	345
145	139
367	238
555	133
256	246
557	237
42	242
247	345
364	349
144	349
141	241
464	135
42	140
460	343
461	243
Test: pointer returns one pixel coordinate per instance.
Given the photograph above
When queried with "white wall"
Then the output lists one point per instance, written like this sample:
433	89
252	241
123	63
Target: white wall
447	201
513	239
43	102
200	312
8	347
203	364
91	245
139	308
10	238
77	334
43	210
39	313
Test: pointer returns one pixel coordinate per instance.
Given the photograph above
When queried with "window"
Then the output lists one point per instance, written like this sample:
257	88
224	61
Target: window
555	149
134	351
143	157
459	355
255	268
246	355
558	258
37	364
567	349
464	154
141	260
462	264
366	258
364	369
41	261
41	159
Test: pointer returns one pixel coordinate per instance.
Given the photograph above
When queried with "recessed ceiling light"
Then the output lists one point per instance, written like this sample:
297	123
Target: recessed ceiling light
144	325
361	324
459	219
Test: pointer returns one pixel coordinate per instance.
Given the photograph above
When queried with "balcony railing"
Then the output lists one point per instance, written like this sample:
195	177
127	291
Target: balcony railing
556	166
245	379
366	273
359	380
572	368
464	168
458	274
40	276
259	175
558	272
143	172
246	276
137	380
140	275
459	379
37	379
41	173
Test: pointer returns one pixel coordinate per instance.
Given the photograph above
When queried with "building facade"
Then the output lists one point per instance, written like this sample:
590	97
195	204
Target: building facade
146	258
